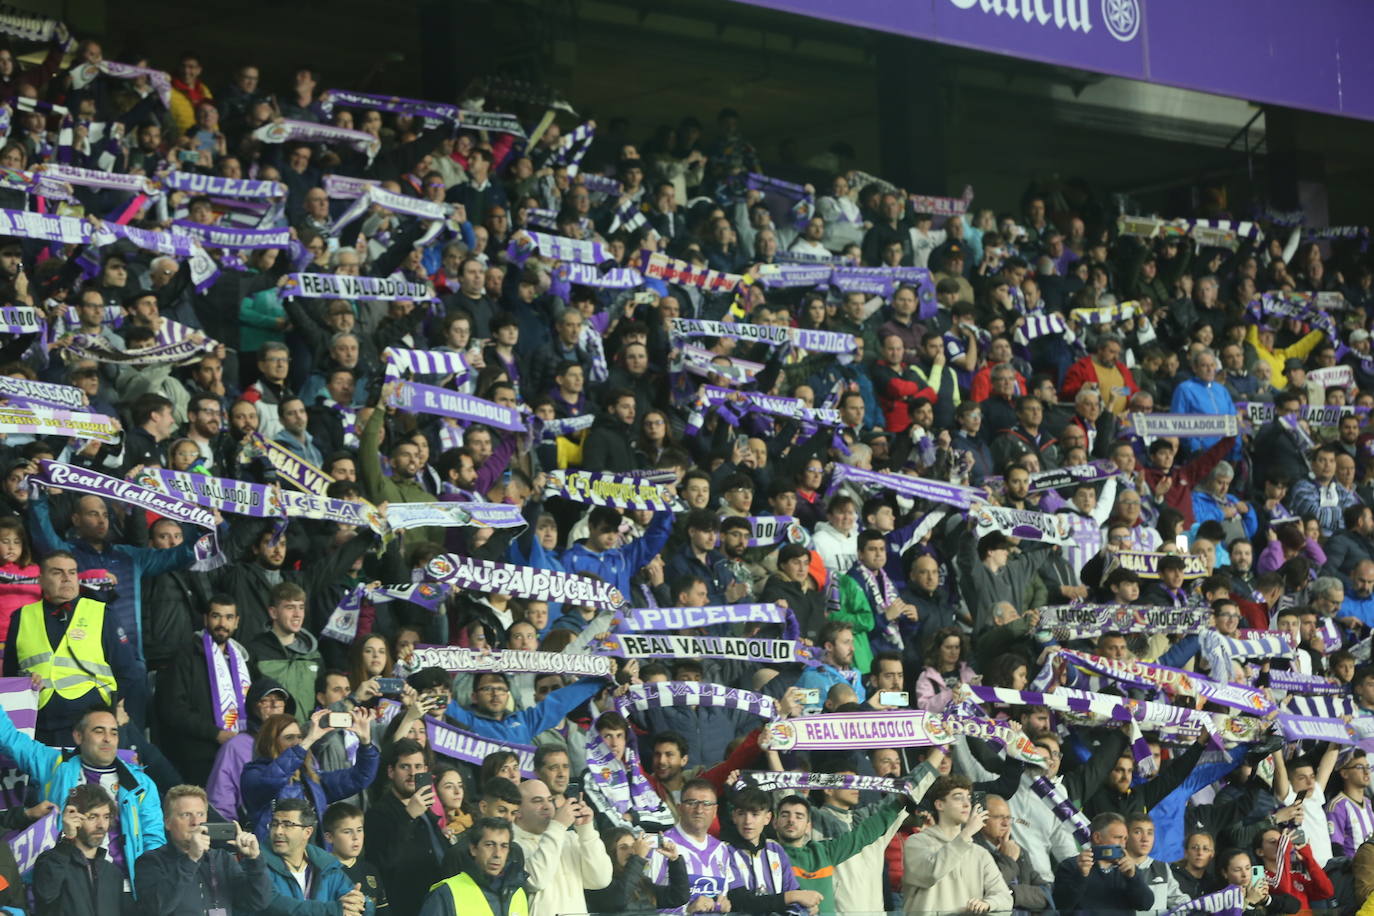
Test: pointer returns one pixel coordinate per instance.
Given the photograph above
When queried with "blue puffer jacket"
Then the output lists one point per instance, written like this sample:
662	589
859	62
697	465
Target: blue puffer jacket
617	565
264	781
57	772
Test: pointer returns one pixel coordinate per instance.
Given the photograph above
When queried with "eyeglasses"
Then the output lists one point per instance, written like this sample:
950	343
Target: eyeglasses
274	825
698	803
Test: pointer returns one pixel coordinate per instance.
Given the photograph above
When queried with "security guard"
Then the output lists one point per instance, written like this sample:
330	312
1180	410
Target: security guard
489	887
75	651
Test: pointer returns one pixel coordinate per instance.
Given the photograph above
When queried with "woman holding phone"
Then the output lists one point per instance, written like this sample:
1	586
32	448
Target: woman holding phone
283	766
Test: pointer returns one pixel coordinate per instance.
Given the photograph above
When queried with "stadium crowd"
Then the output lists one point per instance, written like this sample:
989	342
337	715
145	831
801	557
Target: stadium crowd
437	508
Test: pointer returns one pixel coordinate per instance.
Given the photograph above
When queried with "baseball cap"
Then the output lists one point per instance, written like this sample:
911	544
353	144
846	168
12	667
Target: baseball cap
1292	363
1358	335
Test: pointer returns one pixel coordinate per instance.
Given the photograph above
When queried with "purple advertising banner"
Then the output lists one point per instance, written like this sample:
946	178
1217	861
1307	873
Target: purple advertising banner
1303	56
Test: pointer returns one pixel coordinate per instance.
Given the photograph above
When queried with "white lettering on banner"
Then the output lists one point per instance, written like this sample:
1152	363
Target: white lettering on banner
456	659
677	618
777	650
1121	17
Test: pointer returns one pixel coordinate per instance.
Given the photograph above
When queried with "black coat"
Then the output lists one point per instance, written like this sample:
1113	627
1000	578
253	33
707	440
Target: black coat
403	849
169	882
1276	451
63	885
609	446
172	607
185	712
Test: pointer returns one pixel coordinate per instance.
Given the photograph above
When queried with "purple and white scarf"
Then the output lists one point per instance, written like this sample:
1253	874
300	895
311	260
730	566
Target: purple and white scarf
744	649
235	239
309	132
48	393
938	491
343	286
497	122
227	495
467	661
1175	680
602	488
345	187
81	480
1040	324
356	512
1306	684
217	186
1146	563
767	530
83	75
1054	478
426	362
292	468
660	694
1155	425
428	399
770	781
1021	523
21	319
229	682
1063	809
552	429
623	785
35	183
799	202
856	731
649	620
460	745
670	270
802	338
43	421
941	206
1229	901
402	516
1066	622
523	582
416	108
95	178
427	210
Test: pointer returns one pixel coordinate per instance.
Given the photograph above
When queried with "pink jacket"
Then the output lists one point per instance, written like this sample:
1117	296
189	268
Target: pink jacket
933	694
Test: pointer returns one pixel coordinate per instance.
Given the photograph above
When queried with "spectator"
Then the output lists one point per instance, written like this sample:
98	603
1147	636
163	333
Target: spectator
945	869
75	876
302	870
492	881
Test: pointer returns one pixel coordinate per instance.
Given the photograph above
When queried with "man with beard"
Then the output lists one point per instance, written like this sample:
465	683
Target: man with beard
247	583
204	427
76	875
836	638
403	835
814	863
200	700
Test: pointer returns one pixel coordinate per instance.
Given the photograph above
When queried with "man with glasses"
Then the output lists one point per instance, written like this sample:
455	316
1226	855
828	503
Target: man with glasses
1027	887
301	870
1351	814
274	363
709	873
490	717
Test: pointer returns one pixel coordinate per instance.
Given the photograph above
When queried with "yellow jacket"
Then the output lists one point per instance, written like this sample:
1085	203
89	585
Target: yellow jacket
1275	358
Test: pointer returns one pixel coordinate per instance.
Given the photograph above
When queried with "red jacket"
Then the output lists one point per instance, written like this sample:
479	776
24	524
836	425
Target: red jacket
894	389
982	383
1085	370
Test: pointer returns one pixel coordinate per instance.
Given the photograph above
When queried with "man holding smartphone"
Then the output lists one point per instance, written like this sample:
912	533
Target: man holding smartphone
217	880
943	869
1102	877
402	831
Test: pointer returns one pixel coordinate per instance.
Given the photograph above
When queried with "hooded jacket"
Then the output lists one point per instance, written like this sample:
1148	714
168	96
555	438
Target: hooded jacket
295	666
223	787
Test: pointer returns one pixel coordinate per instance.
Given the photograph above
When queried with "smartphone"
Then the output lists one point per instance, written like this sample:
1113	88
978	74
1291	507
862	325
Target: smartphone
894	698
424	780
221	832
1107	853
1301	797
1257	876
574	789
980	800
188	155
338	720
390	686
811	696
1181	543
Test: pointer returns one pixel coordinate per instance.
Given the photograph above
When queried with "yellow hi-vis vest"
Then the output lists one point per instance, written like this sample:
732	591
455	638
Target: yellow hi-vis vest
78	663
468	899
